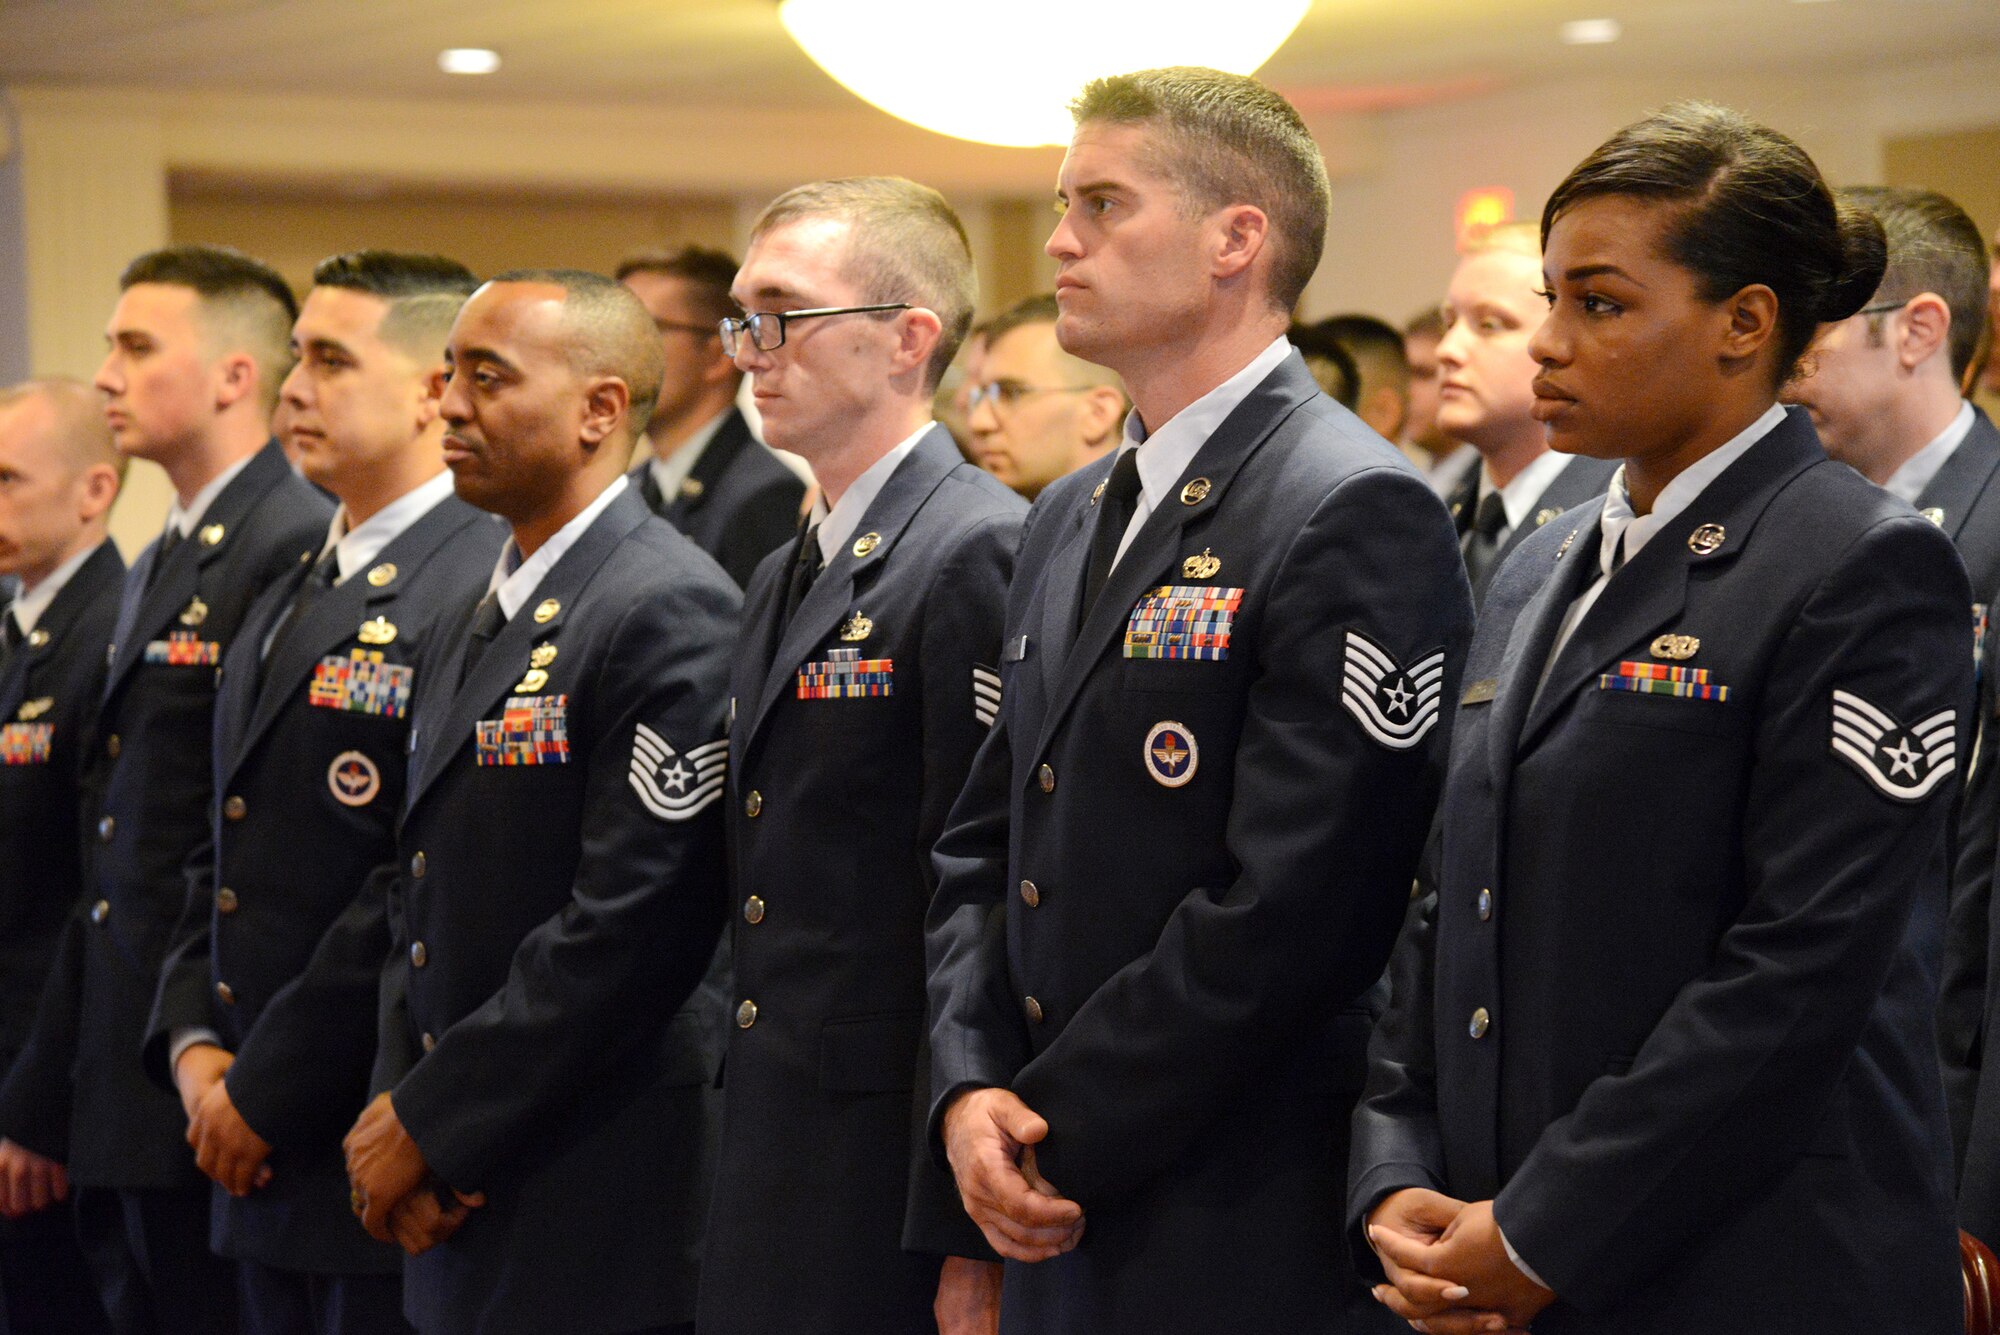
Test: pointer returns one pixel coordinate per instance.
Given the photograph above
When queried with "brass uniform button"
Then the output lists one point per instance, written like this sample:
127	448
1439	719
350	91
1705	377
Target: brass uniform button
112	746
417	865
1481	1022
234	808
418	955
430	1041
1046	777
225	994
225	900
753	804
100	911
746	1014
105	827
1034	1010
1485	905
1030	895
753	910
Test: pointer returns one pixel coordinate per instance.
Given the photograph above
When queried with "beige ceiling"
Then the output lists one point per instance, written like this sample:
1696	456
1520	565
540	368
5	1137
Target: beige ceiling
1348	55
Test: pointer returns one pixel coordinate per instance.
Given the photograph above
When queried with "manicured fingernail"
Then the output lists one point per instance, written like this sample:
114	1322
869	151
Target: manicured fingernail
1374	1234
1457	1293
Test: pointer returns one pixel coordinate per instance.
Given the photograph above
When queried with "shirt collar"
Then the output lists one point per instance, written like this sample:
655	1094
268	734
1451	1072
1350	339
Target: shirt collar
838	524
1525	487
1676	496
515	580
673	470
1908	482
1165	453
355	549
29	606
186	518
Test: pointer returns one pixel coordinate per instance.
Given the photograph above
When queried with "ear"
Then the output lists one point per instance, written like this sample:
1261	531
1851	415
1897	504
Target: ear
96	490
1103	410
1241	231
430	394
720	368
1923	328
917	333
606	402
235	378
1753	322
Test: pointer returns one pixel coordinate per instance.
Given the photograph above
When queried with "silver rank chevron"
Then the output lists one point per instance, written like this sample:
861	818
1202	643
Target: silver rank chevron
985	695
1903	763
676	787
1393	705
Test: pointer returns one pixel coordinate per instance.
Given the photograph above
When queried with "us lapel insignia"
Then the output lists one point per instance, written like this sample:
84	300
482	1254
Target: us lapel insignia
545	611
692	488
1933	513
379	631
1904	762
867	543
1098	494
542	655
1677	648
1544	516
1706	539
39	637
1196	491
212	535
1201	567
1171	754
857	628
195	612
33	709
382	574
1563	550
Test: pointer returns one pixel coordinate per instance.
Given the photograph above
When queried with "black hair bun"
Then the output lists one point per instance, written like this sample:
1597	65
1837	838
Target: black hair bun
1864	257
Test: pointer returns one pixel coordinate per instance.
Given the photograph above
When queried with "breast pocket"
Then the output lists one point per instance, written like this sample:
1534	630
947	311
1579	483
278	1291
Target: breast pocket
869	1055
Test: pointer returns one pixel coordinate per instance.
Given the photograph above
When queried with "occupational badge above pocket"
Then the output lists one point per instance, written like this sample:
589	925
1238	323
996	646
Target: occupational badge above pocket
531	730
362	683
1395	705
1183	621
845	675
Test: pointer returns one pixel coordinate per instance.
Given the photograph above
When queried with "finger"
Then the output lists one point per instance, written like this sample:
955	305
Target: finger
37	1194
1428	1290
1021	1122
411	1236
1463	1322
60	1179
1406	1252
262	1177
474	1199
1007	1191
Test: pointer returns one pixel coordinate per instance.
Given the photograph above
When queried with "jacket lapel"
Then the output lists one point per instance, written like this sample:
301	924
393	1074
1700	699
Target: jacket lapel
61	615
1952	494
1062	584
450	729
832	594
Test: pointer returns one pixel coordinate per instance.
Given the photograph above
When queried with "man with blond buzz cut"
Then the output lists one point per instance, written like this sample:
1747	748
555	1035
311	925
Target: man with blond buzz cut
1178	866
865	680
58	477
540	1145
1037	412
197	350
313	723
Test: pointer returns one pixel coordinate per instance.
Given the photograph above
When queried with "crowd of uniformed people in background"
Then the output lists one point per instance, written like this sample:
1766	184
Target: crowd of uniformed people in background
517	853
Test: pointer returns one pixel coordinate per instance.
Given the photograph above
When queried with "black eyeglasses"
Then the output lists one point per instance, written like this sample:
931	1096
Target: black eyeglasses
1881	307
767	328
1006	394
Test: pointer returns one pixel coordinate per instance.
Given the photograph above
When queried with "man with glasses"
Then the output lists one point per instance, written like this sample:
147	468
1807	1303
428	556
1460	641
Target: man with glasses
1037	412
705	473
866	678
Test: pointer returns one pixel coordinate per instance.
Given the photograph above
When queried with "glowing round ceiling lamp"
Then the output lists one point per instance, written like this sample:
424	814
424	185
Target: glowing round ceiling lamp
1005	73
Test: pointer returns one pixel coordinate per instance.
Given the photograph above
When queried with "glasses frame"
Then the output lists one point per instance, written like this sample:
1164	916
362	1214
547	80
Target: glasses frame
1882	307
990	392
754	322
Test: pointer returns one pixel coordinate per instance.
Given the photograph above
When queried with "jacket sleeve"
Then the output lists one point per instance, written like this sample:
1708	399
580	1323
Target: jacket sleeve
963	615
1962	996
182	1000
1325	826
589	985
1741	1069
35	1097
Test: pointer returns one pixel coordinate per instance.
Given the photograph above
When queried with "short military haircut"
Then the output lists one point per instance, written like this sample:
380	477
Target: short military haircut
423	293
1331	364
1375	346
608	332
1519	238
1427	323
904	244
1933	247
1042	309
1226	139
244	304
707	273
82	434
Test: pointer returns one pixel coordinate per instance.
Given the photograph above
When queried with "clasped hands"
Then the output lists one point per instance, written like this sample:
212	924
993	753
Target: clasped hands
224	1146
990	1138
1448	1268
393	1191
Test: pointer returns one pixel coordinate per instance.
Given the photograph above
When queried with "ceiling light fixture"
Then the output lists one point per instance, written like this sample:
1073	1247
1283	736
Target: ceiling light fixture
1005	74
468	60
1592	32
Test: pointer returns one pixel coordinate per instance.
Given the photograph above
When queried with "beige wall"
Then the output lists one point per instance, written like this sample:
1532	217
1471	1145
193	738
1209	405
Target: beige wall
1963	164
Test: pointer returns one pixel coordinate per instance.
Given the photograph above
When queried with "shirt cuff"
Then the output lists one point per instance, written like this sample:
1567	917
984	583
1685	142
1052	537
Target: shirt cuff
1515	1257
187	1036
